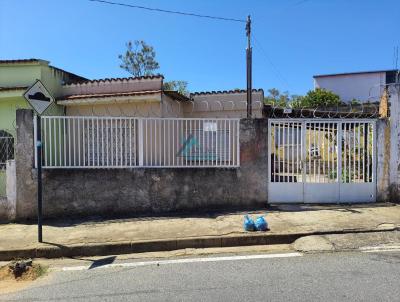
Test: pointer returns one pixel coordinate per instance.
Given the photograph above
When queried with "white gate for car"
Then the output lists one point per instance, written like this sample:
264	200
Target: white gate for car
321	160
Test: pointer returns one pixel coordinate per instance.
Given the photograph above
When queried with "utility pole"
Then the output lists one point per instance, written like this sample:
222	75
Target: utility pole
249	67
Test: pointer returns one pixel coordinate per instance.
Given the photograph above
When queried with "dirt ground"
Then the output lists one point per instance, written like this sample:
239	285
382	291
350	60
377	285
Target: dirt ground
8	282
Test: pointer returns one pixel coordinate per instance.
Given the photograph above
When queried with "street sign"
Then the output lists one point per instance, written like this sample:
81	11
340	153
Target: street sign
39	97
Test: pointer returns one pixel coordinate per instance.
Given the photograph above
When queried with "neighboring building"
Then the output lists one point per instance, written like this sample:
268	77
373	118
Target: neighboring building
145	97
364	86
15	77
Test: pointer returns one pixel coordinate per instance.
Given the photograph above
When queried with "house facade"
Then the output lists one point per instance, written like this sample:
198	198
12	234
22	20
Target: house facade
364	86
109	97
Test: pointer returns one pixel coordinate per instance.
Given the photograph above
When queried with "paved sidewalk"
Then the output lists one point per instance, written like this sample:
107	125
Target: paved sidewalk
287	223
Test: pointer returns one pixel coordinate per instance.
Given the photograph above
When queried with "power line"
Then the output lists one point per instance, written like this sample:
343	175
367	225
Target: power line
277	72
169	11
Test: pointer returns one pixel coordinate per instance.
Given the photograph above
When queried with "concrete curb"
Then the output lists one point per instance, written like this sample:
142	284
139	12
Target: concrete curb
49	250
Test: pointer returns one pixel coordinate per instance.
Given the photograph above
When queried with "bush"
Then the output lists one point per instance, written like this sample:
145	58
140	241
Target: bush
318	98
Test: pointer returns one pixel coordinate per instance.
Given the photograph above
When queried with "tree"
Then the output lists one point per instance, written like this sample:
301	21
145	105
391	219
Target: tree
275	98
319	98
180	86
313	99
139	59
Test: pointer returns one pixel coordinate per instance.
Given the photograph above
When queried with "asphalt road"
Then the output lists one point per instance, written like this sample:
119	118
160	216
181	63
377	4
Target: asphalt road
319	277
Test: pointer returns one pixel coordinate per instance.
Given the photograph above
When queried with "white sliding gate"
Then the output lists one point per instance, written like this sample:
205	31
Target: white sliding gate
322	160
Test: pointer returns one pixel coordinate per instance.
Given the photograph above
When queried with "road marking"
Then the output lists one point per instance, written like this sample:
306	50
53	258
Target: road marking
189	260
380	248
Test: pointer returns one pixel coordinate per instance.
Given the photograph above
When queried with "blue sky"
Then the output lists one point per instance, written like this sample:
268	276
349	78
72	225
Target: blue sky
297	38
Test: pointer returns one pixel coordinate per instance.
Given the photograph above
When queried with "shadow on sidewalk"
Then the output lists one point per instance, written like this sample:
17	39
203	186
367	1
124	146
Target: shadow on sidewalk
70	221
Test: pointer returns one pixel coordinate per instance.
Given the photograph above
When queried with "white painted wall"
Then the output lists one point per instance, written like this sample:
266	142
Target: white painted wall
362	86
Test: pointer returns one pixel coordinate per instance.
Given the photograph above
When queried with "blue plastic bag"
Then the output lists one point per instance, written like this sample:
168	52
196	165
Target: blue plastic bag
248	224
261	224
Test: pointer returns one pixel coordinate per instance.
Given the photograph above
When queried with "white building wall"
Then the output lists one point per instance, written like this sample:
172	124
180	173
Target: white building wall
363	87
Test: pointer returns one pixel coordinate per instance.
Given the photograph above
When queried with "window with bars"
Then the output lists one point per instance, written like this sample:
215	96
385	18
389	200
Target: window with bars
6	148
111	144
209	143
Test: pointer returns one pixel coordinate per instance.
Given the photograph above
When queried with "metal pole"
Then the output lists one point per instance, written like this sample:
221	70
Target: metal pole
249	67
39	176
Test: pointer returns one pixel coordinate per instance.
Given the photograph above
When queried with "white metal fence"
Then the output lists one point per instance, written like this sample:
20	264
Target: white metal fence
318	160
125	142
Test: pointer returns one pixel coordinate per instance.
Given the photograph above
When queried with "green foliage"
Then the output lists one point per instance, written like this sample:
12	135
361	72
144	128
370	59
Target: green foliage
319	98
355	102
313	99
346	176
180	86
275	98
139	59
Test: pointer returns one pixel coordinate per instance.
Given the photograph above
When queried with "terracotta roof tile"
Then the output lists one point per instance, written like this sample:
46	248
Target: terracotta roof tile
224	92
106	95
32	60
13	88
158	76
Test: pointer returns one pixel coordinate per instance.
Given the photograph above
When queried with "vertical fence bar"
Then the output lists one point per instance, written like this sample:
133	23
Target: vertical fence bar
297	150
119	162
79	141
150	141
339	178
331	150
83	142
130	141
141	142
174	144
92	158
161	147
113	139
59	143
323	152
373	152
314	151
102	142
238	142
358	152
97	142
284	152
294	140
363	152
203	144
278	150
73	142
368	148
345	147
64	143
164	144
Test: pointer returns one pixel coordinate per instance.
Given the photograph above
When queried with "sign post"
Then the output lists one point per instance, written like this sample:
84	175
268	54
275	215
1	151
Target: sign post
40	99
39	176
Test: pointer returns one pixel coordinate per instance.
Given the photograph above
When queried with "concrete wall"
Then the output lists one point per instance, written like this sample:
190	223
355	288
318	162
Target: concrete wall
24	163
363	86
8	202
82	192
224	104
388	151
383	159
144	108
